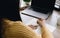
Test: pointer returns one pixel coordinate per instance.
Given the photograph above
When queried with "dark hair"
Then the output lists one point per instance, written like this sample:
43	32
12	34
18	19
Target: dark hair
9	10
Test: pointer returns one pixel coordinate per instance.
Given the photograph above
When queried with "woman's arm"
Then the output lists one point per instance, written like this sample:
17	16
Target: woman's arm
45	32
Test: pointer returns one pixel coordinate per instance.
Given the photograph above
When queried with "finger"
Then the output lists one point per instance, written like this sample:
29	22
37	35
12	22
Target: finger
40	19
38	22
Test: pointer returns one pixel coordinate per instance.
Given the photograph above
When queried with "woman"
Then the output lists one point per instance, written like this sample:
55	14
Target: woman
16	29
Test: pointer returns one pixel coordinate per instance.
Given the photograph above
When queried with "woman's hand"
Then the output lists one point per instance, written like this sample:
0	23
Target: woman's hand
41	22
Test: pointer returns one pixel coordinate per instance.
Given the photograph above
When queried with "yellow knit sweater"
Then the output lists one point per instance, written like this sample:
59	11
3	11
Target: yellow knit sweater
16	29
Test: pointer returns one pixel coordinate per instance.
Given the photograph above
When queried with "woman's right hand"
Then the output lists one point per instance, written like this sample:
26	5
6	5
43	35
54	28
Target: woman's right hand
41	22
